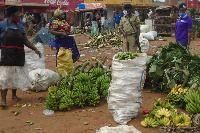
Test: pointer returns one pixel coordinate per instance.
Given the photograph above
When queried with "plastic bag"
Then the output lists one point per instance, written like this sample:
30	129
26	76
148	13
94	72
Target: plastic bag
41	79
118	129
33	61
64	61
124	97
144	44
144	28
148	36
154	33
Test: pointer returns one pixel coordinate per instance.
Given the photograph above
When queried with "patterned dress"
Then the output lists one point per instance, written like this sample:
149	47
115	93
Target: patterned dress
66	42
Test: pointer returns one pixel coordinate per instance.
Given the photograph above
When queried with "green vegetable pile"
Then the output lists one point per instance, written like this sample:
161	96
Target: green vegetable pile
161	75
79	89
126	56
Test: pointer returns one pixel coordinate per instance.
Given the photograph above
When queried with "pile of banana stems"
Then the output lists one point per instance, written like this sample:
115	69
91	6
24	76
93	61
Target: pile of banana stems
106	38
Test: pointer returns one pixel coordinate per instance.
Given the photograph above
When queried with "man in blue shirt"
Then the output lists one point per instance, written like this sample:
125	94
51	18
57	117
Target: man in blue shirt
117	19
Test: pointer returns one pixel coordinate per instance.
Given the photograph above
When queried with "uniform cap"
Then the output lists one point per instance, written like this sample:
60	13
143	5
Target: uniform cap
183	5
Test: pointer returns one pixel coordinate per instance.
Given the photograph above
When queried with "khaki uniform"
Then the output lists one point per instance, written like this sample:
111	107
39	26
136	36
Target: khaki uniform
131	31
30	25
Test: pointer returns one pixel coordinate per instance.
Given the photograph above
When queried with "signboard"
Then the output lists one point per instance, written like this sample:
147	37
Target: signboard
192	4
57	2
93	6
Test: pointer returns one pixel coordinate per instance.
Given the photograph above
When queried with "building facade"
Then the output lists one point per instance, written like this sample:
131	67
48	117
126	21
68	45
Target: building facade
171	2
114	5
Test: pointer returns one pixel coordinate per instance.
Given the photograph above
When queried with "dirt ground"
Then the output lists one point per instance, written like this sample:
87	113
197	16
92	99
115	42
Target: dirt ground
73	121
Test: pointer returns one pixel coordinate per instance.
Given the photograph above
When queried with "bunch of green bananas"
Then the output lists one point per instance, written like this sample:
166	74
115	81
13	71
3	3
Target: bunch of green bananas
53	98
173	99
96	72
192	99
126	56
79	89
54	93
102	80
93	97
51	103
63	85
82	77
164	121
82	88
149	122
80	98
103	84
66	103
182	120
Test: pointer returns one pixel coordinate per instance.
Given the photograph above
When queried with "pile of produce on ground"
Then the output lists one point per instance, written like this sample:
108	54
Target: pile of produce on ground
81	88
192	99
167	68
126	56
160	38
165	115
106	38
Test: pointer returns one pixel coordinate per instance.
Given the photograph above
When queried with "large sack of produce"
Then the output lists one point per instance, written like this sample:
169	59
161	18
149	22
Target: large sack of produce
41	79
33	61
118	129
144	28
144	44
124	98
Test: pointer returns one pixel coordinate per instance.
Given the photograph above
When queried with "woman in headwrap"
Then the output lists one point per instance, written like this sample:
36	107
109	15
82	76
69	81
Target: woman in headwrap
13	72
61	29
183	26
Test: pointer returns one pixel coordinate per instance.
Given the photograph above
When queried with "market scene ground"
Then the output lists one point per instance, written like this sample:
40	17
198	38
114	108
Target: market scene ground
74	121
100	66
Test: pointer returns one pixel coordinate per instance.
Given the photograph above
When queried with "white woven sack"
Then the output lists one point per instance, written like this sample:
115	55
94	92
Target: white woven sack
124	98
144	28
33	60
118	129
41	79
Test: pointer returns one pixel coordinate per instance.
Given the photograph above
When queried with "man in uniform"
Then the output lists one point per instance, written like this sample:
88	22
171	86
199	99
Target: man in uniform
29	20
130	29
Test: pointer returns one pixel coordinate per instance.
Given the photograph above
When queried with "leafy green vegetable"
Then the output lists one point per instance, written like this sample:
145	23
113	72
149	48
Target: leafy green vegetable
160	75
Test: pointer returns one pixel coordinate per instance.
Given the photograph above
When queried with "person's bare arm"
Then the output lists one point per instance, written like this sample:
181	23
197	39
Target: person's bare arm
29	45
57	33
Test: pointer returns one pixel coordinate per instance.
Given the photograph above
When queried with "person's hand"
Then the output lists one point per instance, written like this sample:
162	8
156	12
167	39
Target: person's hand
64	34
137	43
38	52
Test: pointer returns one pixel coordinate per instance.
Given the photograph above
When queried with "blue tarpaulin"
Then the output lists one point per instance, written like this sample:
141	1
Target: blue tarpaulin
42	36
